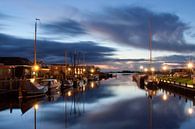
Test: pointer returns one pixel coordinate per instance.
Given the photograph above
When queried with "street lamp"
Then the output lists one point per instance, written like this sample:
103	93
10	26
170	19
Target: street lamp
190	66
164	68
36	106
152	69
36	68
92	70
145	69
141	68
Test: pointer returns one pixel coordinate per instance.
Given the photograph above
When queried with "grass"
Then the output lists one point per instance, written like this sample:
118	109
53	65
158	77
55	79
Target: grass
182	80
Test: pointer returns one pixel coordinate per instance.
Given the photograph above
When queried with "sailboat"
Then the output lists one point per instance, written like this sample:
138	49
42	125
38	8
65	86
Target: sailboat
150	82
33	88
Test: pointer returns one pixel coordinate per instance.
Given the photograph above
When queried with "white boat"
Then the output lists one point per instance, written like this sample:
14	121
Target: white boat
33	89
66	84
50	83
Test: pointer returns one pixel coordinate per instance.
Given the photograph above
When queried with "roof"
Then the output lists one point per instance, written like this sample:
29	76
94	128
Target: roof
14	61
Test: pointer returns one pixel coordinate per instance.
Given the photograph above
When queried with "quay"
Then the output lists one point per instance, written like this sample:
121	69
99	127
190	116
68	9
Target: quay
187	94
185	91
164	84
18	76
190	89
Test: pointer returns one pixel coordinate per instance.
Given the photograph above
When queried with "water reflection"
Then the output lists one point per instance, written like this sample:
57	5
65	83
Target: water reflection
114	103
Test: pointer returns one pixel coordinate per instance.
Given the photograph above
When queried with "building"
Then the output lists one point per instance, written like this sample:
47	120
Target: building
15	67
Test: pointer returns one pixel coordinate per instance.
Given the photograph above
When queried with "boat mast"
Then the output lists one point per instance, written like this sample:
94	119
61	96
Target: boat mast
35	42
150	42
65	57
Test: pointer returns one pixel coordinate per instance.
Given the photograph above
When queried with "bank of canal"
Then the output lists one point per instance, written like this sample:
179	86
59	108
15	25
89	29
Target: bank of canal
116	103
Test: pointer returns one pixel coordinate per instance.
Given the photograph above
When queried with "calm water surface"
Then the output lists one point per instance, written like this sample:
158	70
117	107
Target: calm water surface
116	103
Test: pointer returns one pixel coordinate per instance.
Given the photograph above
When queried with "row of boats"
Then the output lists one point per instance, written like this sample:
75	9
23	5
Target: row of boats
39	87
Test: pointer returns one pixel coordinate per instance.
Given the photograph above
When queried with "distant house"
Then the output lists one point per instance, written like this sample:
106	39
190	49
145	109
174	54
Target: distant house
181	72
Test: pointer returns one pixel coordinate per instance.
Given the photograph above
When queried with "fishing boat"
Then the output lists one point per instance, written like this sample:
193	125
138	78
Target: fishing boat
50	83
33	89
150	82
66	84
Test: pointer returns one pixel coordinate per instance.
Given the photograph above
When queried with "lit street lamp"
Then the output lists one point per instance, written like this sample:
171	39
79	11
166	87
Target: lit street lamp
164	68
152	69
36	68
92	70
145	69
190	67
141	68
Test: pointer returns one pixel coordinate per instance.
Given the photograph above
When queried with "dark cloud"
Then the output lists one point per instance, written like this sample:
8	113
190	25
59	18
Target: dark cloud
53	52
65	27
133	60
130	26
176	58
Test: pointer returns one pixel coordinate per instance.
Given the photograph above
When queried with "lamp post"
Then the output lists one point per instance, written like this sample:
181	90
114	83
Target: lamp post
152	70
146	70
92	70
164	69
190	67
141	68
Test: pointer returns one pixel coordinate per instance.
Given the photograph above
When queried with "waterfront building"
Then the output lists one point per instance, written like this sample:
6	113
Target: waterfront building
14	67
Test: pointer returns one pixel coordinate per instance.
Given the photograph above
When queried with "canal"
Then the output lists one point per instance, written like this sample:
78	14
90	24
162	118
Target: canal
116	103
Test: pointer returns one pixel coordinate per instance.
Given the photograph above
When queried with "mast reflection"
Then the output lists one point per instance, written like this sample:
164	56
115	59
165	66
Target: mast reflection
36	106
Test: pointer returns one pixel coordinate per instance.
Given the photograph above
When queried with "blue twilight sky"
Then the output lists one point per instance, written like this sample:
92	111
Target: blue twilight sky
109	32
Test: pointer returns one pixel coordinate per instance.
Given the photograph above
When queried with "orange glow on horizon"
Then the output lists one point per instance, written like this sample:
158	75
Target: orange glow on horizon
107	67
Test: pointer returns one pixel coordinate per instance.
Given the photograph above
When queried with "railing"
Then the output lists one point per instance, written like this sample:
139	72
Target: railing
177	83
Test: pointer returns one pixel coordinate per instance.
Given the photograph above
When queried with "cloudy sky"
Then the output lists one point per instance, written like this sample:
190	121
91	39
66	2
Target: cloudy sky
111	33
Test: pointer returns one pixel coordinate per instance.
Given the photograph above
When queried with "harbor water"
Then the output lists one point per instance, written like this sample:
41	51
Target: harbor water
116	103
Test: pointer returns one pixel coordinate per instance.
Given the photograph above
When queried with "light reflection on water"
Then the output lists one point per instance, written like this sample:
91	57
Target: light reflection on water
115	104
